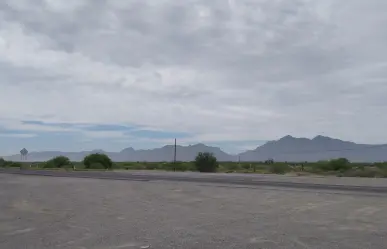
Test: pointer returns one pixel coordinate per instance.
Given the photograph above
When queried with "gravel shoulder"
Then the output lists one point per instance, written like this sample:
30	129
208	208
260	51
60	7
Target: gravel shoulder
50	212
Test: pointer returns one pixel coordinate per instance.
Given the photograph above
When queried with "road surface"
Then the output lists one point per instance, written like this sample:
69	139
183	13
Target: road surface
73	213
332	183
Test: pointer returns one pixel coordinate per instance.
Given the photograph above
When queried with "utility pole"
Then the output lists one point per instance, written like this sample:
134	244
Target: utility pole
174	158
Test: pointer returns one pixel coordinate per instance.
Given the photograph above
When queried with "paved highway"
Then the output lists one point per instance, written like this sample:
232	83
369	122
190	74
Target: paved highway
338	184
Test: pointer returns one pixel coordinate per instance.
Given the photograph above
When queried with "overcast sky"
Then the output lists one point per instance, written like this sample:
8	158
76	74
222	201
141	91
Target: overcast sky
87	74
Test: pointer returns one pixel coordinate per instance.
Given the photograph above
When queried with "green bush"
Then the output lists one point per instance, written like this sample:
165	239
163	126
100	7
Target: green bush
206	162
2	162
58	162
318	167
97	160
49	165
324	167
340	164
97	165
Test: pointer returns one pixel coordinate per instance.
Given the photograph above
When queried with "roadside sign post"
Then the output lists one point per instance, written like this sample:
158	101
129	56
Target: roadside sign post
23	154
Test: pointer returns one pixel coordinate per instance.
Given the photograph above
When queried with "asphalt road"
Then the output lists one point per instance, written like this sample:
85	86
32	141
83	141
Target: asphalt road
340	184
72	213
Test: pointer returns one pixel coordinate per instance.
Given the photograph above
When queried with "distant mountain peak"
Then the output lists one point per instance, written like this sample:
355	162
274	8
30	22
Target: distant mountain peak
320	137
287	137
129	149
199	145
97	151
287	148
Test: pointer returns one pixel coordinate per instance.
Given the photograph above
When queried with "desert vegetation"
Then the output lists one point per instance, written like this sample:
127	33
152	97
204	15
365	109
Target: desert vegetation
207	162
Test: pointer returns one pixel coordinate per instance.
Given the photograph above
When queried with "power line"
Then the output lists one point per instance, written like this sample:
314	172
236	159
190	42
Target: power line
174	157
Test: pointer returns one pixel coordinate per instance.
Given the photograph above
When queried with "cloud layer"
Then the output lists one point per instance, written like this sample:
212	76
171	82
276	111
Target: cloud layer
237	70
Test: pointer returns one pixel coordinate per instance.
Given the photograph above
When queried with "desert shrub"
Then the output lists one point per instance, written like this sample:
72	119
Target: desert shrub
58	162
206	162
366	172
279	168
96	165
340	164
49	165
97	160
320	166
2	162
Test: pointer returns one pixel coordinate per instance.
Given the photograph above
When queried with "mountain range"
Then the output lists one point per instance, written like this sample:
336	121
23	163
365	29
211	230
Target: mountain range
288	148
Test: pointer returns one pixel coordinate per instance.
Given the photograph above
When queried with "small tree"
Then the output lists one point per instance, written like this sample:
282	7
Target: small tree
98	158
2	162
206	162
58	162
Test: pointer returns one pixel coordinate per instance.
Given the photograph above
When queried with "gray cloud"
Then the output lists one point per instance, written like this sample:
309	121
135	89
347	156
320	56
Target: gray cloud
237	69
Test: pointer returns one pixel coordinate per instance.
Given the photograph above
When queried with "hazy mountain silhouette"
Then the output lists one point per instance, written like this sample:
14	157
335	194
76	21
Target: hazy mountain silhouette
293	149
166	153
288	148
